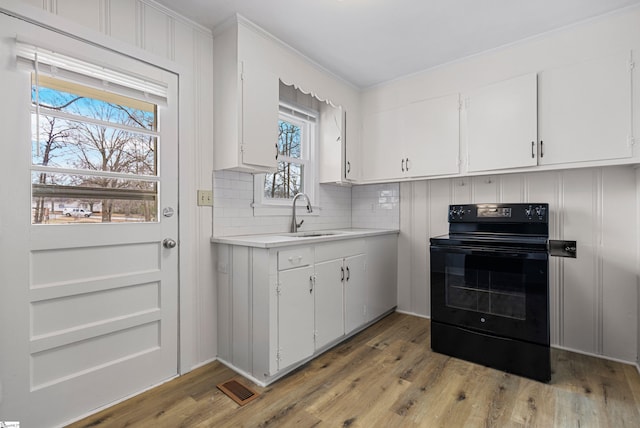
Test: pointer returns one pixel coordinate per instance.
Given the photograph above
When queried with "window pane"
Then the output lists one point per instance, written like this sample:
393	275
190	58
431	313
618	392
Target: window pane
285	182
80	145
80	129
65	198
289	139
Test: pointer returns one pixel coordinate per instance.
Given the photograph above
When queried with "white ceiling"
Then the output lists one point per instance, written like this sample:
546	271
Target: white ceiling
367	42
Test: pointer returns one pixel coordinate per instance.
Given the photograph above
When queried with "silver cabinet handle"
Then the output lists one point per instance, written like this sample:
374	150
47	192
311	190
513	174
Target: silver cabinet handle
407	164
342	271
541	148
312	281
276	151
169	243
533	146
348	167
348	274
402	163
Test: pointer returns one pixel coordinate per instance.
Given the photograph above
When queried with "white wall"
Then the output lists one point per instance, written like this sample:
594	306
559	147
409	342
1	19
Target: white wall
144	29
594	298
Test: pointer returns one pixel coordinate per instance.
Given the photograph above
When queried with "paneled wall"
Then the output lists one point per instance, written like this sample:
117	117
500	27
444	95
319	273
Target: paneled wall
163	37
594	298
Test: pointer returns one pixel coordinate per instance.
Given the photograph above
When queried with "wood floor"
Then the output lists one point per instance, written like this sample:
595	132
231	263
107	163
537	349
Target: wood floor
387	376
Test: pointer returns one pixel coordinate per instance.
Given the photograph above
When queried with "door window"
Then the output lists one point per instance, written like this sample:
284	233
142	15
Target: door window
94	141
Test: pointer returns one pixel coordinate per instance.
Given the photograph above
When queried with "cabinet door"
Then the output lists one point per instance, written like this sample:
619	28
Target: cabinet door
502	125
332	148
382	275
329	303
259	121
431	136
295	316
355	292
585	111
382	146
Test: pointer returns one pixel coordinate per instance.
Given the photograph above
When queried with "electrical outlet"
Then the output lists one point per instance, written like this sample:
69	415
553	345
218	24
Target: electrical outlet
205	198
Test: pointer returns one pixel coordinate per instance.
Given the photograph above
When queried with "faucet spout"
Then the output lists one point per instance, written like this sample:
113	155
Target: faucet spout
294	224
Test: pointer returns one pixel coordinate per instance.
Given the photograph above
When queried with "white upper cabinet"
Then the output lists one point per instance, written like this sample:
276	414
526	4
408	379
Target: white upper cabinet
334	165
432	137
502	125
245	115
584	111
417	140
381	148
259	122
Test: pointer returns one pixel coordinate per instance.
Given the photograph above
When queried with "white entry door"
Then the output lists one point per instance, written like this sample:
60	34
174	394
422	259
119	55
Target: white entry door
88	292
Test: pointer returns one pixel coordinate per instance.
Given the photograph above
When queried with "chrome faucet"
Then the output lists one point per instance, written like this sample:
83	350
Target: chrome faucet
294	224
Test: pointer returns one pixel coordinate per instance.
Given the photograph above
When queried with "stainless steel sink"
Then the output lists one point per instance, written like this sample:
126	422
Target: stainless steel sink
310	234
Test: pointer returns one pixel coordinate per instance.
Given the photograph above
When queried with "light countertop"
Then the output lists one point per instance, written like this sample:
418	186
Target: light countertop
303	237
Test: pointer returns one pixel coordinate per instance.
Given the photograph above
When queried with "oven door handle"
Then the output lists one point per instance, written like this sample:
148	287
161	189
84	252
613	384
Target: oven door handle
496	252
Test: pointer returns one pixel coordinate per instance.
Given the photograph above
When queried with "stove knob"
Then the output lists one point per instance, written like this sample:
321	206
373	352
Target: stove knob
460	212
452	213
527	211
540	211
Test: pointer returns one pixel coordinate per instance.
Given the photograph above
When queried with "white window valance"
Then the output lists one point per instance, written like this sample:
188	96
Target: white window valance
65	67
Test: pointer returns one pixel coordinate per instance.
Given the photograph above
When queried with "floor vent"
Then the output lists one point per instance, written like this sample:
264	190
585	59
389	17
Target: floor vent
237	392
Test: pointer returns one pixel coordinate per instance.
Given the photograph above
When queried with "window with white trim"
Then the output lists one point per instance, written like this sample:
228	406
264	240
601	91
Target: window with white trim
296	170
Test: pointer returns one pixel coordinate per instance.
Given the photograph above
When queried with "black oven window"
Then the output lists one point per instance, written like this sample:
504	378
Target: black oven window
479	284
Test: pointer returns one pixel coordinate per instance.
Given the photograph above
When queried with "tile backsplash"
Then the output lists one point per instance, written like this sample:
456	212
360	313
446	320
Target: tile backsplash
376	206
365	206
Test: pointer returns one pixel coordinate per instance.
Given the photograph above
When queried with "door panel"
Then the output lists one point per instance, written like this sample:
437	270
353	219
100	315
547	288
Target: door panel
585	111
431	136
502	124
382	146
329	307
355	292
295	316
93	307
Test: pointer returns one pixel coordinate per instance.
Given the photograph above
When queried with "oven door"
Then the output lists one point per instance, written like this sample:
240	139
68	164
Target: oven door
491	289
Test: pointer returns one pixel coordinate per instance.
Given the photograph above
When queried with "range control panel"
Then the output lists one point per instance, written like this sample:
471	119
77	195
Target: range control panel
504	213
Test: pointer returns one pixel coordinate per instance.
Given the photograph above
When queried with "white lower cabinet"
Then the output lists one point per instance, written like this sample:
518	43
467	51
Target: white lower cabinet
355	292
295	316
278	307
329	302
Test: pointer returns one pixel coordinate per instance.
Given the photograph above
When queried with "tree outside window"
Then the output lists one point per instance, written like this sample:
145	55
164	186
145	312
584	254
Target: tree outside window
295	137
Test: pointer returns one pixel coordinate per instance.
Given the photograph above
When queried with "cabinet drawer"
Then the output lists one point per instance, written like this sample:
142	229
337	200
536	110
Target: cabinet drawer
295	257
339	249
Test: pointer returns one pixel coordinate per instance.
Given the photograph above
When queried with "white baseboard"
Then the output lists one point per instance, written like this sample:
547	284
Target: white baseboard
413	314
591	354
203	363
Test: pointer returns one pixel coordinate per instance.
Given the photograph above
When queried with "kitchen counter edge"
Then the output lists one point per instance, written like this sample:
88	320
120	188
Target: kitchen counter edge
274	240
